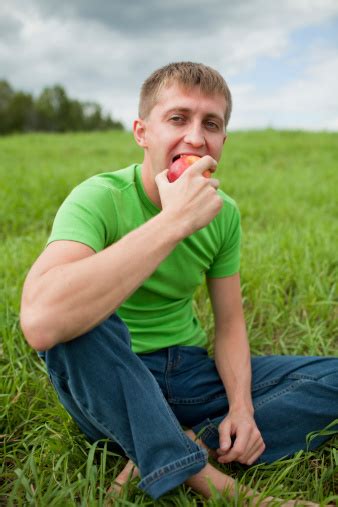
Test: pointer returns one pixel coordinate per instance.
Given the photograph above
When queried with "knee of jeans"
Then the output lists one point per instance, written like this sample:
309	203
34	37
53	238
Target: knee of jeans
96	345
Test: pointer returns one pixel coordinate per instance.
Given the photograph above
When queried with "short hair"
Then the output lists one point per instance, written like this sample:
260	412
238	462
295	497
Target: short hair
188	75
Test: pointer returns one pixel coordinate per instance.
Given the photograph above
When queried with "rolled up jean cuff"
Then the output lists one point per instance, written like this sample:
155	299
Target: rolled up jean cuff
169	476
207	431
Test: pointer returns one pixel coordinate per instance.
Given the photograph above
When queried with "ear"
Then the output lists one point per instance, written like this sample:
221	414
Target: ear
139	130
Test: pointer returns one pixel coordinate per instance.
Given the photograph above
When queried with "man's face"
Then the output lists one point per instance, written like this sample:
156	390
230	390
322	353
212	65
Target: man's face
183	121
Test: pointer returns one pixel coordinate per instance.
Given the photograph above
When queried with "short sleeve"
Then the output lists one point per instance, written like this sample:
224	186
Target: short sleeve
227	262
87	216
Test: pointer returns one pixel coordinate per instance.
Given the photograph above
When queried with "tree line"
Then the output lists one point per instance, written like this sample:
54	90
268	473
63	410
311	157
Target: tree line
51	111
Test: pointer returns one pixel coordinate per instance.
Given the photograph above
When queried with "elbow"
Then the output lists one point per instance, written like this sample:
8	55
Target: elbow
35	330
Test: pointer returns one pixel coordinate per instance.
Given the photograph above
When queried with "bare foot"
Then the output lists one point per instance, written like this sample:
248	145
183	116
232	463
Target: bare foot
129	472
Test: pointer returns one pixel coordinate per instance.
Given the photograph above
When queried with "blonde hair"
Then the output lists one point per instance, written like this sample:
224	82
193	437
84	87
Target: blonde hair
188	75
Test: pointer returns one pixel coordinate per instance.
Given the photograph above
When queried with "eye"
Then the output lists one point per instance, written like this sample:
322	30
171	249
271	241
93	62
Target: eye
176	118
211	125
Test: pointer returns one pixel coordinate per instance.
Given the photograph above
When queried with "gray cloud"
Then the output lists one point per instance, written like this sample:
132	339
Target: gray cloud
10	28
148	17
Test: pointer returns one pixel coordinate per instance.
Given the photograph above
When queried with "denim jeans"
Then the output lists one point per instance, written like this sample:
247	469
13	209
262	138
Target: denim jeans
141	402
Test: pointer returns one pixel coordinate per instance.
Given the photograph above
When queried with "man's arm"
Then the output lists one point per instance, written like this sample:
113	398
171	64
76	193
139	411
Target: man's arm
70	289
232	357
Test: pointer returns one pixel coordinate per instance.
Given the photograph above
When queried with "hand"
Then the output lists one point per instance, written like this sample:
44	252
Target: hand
192	200
240	439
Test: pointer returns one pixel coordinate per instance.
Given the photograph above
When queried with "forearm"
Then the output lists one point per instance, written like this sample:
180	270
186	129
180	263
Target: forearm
72	298
232	357
239	438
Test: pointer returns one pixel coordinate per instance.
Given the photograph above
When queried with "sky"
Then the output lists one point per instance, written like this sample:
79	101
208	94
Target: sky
279	57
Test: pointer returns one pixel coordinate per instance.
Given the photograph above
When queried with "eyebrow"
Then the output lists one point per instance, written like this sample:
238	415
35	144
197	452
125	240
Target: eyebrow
188	110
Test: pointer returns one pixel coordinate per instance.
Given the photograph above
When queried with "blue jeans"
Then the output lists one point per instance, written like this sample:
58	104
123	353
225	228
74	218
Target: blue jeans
140	402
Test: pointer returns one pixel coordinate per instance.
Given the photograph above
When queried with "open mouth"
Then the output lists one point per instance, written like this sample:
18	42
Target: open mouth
176	157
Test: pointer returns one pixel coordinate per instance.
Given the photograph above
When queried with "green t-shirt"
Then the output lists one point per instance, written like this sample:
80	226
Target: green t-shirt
159	314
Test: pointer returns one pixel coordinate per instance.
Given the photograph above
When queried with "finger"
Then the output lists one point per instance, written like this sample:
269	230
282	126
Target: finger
203	164
225	436
213	182
253	454
255	449
222	452
238	449
247	457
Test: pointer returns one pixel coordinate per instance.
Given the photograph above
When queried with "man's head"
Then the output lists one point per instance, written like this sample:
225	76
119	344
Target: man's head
187	75
184	110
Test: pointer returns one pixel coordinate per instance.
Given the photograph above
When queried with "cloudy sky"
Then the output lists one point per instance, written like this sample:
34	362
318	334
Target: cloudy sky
279	57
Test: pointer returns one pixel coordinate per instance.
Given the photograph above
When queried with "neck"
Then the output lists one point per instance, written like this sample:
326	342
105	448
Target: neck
149	185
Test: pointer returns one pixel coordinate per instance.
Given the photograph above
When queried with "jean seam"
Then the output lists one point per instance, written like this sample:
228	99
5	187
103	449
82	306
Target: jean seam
193	401
291	376
269	383
166	373
286	390
300	376
200	456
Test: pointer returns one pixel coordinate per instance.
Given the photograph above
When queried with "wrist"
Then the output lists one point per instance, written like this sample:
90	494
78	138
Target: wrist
174	225
242	406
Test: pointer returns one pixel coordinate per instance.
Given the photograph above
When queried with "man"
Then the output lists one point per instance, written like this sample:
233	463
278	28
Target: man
126	253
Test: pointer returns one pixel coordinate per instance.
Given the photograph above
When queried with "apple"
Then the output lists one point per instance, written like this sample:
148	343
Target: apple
181	164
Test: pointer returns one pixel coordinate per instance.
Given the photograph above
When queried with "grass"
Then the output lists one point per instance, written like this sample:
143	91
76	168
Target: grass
285	184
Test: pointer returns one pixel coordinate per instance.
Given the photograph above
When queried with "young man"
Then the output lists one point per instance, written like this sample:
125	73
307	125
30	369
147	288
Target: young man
109	302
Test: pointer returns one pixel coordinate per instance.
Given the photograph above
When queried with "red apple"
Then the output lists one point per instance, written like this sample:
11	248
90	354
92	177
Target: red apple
181	164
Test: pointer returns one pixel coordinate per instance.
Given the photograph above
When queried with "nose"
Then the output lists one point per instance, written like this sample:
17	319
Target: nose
195	135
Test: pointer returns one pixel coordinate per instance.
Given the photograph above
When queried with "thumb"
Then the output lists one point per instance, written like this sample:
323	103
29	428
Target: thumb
161	178
225	436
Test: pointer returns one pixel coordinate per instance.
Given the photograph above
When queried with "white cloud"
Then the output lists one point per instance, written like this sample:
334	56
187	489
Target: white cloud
309	102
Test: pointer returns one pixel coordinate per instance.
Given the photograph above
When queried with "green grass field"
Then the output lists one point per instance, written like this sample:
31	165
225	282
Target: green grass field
286	186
